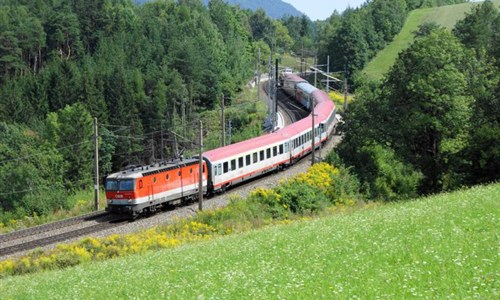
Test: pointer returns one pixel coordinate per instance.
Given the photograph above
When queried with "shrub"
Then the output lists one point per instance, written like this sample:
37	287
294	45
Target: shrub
384	175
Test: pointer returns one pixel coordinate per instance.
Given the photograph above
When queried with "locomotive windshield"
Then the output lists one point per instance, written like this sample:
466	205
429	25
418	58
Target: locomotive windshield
120	185
111	185
126	185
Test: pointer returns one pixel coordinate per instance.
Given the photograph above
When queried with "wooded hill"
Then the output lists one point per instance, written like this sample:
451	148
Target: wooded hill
143	69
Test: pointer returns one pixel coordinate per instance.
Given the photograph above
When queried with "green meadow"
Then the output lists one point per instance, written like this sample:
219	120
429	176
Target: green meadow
446	16
444	246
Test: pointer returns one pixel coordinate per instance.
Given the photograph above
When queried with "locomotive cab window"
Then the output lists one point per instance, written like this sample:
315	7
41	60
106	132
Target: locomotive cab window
126	185
111	185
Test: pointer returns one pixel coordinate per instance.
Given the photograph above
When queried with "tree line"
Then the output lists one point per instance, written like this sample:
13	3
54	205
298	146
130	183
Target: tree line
354	37
139	69
432	124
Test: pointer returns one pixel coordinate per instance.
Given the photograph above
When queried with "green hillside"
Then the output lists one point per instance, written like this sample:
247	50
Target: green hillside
445	246
446	16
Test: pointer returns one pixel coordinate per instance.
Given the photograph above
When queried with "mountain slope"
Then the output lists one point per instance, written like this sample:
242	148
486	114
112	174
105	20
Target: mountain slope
446	16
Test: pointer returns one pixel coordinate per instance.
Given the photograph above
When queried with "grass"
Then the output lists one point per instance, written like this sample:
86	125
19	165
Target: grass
444	246
82	201
446	16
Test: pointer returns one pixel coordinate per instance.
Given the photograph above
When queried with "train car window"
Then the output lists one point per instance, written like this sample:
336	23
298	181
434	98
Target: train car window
281	149
111	185
220	169
255	158
275	151
249	161
233	164
261	154
286	147
240	162
226	167
268	153
215	171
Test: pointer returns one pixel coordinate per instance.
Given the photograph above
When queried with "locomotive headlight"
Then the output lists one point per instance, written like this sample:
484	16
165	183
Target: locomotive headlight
129	201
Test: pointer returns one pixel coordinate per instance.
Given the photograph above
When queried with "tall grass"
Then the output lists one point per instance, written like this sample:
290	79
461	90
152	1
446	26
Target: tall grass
444	246
82	202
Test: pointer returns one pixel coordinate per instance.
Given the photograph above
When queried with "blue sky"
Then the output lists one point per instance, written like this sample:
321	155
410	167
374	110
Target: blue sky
322	9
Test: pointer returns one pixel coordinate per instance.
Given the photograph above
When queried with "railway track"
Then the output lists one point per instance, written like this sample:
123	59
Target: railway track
47	234
293	110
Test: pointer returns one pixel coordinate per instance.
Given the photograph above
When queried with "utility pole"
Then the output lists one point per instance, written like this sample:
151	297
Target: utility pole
328	73
315	69
222	122
269	87
183	117
162	147
302	59
258	77
96	167
312	132
229	129
275	117
345	88
200	171
153	159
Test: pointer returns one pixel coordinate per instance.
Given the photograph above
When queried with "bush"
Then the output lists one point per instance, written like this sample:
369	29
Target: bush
384	176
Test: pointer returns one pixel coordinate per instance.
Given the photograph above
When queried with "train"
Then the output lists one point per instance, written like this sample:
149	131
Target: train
145	189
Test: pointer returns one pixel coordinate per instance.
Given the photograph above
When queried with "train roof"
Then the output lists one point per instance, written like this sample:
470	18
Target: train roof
141	171
306	87
322	109
243	147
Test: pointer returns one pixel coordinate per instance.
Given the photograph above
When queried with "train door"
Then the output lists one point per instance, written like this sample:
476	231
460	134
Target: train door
288	150
151	190
181	181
